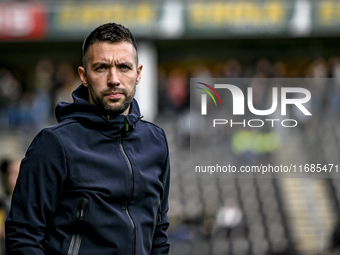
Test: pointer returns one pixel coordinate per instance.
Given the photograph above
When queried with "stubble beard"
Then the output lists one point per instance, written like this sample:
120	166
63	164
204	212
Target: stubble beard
104	105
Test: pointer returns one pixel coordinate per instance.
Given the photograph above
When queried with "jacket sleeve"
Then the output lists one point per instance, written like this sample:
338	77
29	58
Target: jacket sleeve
160	245
36	195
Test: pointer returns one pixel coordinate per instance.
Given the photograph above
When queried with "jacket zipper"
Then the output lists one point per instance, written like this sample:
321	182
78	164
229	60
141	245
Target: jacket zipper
130	196
76	238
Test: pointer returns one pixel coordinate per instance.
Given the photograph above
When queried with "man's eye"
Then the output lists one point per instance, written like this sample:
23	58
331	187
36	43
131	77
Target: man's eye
124	67
100	68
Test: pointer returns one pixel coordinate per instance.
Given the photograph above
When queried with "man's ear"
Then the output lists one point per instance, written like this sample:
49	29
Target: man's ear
139	73
82	75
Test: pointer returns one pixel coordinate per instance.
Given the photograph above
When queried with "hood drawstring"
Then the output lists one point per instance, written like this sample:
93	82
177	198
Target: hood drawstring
107	118
128	127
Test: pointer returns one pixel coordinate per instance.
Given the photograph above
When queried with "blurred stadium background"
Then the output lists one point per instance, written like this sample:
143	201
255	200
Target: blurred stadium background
40	50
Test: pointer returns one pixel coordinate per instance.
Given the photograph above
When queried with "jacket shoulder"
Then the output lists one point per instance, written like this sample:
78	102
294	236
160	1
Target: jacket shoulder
157	131
61	125
153	127
54	135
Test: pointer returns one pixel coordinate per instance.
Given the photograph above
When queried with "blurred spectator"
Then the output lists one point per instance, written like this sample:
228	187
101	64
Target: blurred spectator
43	76
9	174
229	216
43	84
279	70
10	170
264	68
334	94
176	98
318	70
66	81
181	227
334	242
201	71
232	69
28	109
10	92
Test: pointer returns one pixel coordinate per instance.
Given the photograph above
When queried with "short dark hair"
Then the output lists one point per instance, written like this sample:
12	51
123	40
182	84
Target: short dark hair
109	32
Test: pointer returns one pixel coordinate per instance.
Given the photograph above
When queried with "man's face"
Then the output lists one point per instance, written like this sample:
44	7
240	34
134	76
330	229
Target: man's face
111	74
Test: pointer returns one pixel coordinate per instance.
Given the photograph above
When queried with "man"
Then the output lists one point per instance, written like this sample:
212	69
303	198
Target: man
98	181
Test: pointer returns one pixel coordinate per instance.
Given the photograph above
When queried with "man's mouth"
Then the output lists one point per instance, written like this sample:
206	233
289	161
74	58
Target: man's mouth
114	94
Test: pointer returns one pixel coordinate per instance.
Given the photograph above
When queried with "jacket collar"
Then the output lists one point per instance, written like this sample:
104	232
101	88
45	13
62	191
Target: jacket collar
86	113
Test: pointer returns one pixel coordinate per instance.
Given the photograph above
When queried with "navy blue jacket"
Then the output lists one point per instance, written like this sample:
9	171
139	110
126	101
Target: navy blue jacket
92	185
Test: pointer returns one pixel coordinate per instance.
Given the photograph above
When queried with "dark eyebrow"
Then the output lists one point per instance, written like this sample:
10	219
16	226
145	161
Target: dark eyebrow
94	65
128	64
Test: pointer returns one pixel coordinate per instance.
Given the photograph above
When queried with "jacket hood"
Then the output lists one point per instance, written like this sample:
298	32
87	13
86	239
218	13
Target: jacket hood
82	110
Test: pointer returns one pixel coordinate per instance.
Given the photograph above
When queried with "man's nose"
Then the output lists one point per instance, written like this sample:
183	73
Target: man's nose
113	78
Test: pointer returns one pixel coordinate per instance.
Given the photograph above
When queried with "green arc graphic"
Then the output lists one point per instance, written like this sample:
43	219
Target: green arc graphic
209	94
